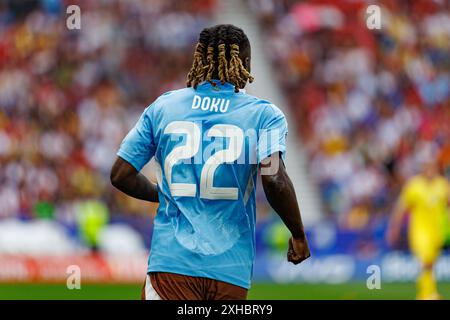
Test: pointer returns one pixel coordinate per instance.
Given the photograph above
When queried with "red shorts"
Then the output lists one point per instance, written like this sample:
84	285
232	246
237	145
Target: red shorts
172	286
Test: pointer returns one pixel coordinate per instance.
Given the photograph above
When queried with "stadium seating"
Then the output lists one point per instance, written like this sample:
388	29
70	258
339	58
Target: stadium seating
369	103
68	97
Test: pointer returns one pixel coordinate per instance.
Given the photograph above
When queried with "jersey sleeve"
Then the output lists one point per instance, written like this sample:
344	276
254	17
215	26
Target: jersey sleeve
138	147
273	132
407	194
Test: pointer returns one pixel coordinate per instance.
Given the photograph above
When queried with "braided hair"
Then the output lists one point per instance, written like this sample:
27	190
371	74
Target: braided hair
218	55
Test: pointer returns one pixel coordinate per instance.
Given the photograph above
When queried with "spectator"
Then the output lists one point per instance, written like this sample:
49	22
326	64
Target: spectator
366	100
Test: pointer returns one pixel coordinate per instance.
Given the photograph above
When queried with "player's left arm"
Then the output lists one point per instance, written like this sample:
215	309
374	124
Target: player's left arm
280	194
131	182
276	183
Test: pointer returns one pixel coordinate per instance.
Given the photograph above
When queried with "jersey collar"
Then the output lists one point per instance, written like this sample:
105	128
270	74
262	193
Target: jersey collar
227	86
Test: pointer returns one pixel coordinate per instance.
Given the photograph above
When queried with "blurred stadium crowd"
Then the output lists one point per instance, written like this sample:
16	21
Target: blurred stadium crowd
67	98
369	104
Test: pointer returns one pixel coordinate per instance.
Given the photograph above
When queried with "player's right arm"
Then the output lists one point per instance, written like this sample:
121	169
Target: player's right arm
395	223
400	210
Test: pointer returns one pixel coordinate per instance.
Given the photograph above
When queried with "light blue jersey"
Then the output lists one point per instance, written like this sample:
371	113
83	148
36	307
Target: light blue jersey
207	144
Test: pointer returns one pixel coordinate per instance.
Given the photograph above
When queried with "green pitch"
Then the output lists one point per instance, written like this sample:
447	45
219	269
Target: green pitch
258	291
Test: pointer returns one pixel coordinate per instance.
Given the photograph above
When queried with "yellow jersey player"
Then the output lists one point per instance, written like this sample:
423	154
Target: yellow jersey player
425	197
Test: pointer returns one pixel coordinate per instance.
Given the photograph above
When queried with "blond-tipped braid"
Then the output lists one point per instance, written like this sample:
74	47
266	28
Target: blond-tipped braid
197	70
223	64
238	74
212	58
232	64
211	64
240	71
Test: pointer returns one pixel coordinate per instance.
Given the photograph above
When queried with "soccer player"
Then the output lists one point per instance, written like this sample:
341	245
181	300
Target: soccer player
425	197
208	141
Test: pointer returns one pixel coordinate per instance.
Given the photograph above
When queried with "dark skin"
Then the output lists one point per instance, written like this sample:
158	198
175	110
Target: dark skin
131	182
277	186
280	194
245	57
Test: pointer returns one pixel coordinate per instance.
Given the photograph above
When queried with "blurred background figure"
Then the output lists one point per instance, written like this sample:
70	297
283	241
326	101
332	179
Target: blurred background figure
426	197
92	216
362	104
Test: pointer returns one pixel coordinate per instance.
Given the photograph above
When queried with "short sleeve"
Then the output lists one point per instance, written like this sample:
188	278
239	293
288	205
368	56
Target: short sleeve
138	147
273	132
407	195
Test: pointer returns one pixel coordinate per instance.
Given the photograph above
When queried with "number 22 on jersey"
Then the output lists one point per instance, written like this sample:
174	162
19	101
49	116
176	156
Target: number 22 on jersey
192	144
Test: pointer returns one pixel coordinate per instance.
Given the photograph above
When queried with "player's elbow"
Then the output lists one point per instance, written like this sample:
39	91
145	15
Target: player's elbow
116	177
274	184
121	174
